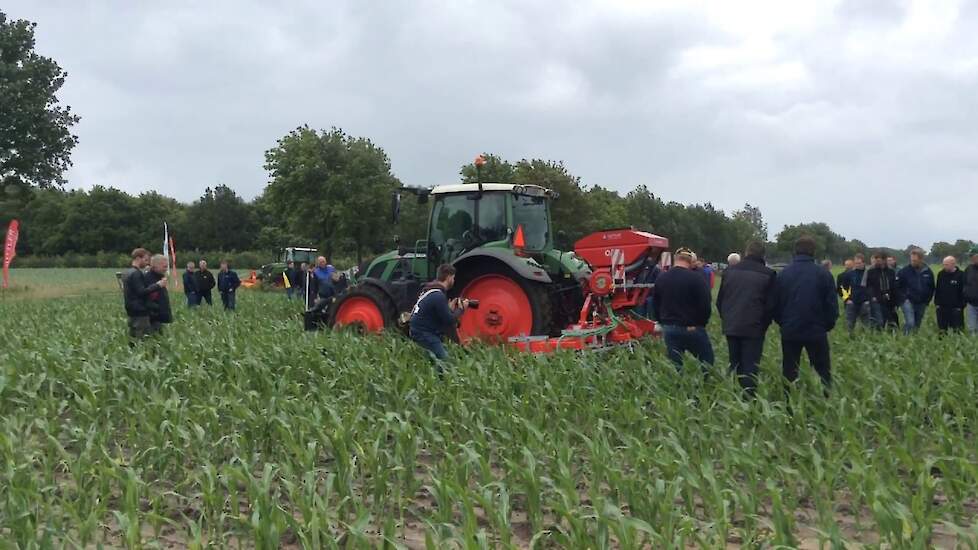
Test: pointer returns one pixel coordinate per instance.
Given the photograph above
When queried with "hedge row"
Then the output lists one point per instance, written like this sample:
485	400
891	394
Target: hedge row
244	260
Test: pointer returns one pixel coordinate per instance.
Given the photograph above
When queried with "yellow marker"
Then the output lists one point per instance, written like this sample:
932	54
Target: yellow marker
285	279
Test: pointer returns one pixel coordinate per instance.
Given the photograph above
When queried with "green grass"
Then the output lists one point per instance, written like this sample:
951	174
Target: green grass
241	430
30	283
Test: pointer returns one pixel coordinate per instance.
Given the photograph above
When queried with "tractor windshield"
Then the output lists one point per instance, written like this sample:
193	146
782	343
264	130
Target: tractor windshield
531	213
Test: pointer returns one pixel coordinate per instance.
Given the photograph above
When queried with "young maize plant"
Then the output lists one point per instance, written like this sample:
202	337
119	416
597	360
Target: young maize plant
240	431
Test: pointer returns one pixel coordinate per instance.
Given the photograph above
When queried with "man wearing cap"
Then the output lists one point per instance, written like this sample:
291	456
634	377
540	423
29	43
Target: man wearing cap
681	304
971	292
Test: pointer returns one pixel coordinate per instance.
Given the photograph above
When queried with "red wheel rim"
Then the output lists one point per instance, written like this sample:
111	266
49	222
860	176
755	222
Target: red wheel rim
504	310
362	312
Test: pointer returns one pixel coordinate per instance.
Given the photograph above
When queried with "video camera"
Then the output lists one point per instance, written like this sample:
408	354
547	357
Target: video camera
473	304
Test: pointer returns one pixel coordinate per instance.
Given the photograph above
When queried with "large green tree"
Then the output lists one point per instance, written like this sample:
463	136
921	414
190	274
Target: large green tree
220	220
751	215
35	129
333	188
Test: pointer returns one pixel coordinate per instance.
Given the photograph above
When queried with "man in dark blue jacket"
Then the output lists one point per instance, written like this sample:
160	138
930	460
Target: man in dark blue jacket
681	303
916	288
807	309
190	285
434	316
227	284
746	304
855	294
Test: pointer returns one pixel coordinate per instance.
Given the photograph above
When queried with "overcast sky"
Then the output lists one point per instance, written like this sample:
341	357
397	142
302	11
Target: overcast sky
862	113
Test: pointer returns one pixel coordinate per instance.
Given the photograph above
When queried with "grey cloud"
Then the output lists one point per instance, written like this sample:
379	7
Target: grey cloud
853	120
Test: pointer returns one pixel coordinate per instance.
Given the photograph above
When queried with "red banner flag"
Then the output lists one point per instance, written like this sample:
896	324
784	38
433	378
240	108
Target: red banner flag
10	250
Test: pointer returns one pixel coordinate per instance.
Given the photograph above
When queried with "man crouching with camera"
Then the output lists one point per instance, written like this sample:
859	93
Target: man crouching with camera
435	316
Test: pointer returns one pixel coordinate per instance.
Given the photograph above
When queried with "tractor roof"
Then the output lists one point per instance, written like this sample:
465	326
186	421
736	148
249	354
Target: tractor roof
474	187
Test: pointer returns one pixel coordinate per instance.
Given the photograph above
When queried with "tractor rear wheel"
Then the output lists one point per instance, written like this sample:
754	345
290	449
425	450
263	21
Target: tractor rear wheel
366	308
509	305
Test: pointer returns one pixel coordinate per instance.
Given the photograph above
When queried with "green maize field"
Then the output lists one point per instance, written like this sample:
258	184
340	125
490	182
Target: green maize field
242	431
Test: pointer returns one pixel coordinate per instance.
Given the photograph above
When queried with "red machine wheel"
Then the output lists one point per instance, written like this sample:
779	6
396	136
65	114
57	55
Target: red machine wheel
365	308
508	306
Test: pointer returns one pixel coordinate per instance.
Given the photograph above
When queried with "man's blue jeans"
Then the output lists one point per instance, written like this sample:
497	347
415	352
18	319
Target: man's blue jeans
229	300
913	316
432	343
193	299
857	312
694	340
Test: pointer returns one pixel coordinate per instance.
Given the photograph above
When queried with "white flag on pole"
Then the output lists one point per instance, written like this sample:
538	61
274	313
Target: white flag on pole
166	246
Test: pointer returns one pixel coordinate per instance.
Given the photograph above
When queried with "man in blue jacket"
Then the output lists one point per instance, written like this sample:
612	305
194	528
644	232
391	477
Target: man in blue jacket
227	284
855	294
807	309
434	316
916	287
190	285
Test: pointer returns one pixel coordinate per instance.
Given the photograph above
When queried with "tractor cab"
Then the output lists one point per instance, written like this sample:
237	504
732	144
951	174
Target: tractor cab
271	273
298	255
468	216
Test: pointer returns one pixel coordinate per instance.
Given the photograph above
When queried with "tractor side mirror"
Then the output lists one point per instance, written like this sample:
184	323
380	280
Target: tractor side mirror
395	208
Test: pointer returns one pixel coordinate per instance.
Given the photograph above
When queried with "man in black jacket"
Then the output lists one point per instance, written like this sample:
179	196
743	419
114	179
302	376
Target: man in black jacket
205	283
136	292
854	294
971	293
291	274
840	279
807	309
949	296
746	305
158	301
881	285
681	304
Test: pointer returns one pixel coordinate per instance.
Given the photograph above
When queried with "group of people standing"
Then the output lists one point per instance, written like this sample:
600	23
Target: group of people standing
804	301
801	299
147	300
316	285
144	292
874	295
198	282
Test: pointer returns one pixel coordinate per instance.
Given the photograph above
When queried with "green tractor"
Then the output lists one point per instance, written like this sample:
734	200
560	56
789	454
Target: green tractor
271	274
499	238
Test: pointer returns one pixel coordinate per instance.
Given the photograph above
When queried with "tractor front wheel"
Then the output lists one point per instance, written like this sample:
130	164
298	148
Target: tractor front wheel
509	305
365	308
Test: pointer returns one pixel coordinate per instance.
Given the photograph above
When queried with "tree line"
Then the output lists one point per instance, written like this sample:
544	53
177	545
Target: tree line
334	191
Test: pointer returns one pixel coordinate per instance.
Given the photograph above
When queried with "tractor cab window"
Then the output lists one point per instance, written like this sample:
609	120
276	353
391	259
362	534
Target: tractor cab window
492	217
451	221
531	213
306	256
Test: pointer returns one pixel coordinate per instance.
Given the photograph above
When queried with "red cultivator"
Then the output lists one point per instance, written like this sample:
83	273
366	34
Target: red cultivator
611	293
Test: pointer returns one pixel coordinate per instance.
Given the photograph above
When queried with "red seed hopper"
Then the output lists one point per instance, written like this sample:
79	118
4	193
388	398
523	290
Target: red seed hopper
617	257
